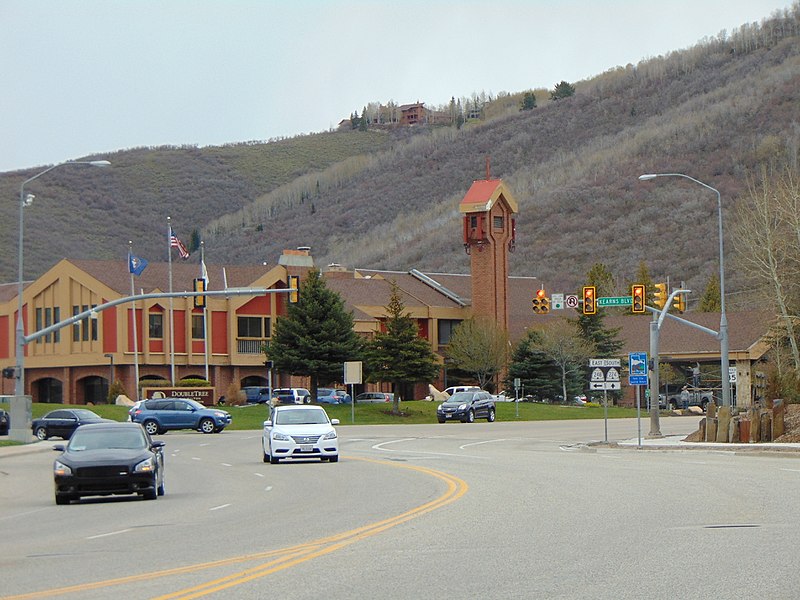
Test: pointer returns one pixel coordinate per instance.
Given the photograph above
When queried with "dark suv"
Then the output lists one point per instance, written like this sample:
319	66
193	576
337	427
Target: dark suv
466	407
162	414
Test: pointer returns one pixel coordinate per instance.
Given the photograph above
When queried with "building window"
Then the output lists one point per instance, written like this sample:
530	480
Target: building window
83	330
250	327
197	327
445	330
156	326
498	223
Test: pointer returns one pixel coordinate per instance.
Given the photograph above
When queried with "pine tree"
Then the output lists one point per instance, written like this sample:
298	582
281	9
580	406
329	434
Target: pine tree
399	355
534	369
528	101
562	90
710	302
316	337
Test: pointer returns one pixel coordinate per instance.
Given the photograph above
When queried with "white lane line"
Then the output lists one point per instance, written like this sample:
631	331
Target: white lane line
219	507
205	444
790	470
102	535
382	449
226	465
478	443
14	516
258	474
196	458
268	488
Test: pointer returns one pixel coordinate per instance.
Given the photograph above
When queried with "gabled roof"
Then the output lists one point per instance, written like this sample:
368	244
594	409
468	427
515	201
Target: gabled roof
484	193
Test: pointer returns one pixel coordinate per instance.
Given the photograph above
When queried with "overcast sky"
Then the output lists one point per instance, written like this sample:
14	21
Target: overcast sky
92	76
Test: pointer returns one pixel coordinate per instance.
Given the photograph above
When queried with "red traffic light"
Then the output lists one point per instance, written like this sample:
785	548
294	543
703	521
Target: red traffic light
638	298
589	300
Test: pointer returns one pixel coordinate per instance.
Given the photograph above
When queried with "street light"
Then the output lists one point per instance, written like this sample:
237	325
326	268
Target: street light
19	388
723	319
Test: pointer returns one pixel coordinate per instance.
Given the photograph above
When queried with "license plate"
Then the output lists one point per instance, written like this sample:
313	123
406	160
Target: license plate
306	447
448	416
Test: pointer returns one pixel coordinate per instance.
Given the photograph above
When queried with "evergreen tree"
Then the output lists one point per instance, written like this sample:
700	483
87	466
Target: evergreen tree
531	365
399	355
194	241
528	101
562	90
316	337
710	301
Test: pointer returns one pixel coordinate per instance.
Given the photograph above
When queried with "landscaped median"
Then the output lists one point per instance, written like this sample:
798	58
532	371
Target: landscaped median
252	416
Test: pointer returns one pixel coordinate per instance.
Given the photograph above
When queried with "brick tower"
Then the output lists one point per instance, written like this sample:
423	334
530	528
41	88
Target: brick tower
489	235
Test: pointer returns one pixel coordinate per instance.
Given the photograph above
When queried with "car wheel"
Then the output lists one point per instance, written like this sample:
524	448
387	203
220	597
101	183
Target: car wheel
490	416
207	426
150	495
151	427
62	499
334	458
41	433
470	416
273	460
440	420
160	489
704	405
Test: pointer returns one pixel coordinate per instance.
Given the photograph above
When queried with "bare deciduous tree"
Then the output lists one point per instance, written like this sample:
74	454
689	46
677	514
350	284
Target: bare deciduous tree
480	347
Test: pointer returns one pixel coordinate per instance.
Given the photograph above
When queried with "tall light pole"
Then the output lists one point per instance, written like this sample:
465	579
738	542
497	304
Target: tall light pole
723	319
19	388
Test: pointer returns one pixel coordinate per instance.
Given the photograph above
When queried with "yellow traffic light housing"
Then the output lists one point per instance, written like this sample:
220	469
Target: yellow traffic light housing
679	303
589	299
660	296
638	298
541	303
199	286
293	281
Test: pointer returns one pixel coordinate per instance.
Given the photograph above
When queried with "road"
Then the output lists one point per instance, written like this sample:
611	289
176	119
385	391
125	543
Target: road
500	510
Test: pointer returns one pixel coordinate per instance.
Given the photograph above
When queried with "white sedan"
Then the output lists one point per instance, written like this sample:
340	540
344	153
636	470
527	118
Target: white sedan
299	431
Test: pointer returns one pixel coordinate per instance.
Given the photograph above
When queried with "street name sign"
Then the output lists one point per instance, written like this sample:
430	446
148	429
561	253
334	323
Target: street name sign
615	301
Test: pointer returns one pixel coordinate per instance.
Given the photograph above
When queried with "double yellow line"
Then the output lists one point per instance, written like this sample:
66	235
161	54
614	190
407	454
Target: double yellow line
279	560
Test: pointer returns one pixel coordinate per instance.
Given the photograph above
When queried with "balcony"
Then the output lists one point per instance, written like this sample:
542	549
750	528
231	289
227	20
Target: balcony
250	345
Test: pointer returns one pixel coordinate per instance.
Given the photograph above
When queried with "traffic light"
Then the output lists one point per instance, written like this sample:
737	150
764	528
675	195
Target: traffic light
199	286
541	303
679	303
589	300
293	281
660	295
637	298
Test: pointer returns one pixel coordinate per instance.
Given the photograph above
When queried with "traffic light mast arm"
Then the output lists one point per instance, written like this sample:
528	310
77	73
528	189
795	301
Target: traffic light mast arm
664	313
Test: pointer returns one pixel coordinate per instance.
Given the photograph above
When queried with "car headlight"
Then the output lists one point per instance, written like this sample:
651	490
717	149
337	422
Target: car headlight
440	408
60	468
331	435
462	406
219	414
146	466
281	437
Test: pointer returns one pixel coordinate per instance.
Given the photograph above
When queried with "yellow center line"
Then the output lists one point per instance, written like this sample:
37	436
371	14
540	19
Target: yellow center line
281	559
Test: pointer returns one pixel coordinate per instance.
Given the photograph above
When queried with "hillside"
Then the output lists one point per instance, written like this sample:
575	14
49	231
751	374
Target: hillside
389	199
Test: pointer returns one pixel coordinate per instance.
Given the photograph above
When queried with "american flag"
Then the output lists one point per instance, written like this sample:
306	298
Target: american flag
174	242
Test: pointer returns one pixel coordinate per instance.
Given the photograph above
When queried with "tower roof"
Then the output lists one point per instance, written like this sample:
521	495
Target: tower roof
484	193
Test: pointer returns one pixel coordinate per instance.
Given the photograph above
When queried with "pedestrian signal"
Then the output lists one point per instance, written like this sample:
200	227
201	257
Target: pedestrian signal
589	300
638	298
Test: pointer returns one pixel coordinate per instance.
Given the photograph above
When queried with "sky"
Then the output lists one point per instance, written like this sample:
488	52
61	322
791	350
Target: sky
88	77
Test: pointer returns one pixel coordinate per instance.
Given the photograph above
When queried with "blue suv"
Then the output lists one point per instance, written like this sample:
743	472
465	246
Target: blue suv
162	414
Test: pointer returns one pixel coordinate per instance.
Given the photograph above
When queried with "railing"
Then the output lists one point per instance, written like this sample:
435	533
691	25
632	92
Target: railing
250	346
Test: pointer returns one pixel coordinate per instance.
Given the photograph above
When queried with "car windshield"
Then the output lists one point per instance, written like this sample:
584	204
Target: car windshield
100	439
300	417
461	397
83	413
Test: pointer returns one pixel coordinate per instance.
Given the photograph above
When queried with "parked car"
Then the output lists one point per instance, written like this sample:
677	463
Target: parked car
344	397
371	397
299	432
466	407
292	395
102	459
256	394
63	422
158	415
461	388
5	422
327	396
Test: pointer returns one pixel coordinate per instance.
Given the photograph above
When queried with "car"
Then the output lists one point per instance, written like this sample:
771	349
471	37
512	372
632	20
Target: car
327	396
5	422
103	459
256	394
466	407
63	422
159	415
299	431
461	388
372	397
344	397
292	395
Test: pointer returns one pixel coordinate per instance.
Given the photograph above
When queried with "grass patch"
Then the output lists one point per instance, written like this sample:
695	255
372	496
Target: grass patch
413	412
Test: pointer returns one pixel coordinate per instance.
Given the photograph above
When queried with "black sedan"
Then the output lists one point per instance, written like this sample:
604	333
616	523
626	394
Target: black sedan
5	422
466	407
109	458
63	422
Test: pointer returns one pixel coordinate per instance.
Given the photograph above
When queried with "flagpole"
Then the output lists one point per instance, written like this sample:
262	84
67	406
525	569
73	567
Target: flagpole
171	333
135	333
204	275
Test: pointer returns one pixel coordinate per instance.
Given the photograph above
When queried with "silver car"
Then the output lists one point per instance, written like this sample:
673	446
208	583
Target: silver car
299	431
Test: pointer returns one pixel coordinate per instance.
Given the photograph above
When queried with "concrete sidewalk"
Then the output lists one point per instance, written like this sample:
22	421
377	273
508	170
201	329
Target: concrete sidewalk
676	442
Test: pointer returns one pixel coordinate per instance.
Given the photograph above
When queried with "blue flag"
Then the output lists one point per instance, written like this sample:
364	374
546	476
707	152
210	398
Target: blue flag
136	265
